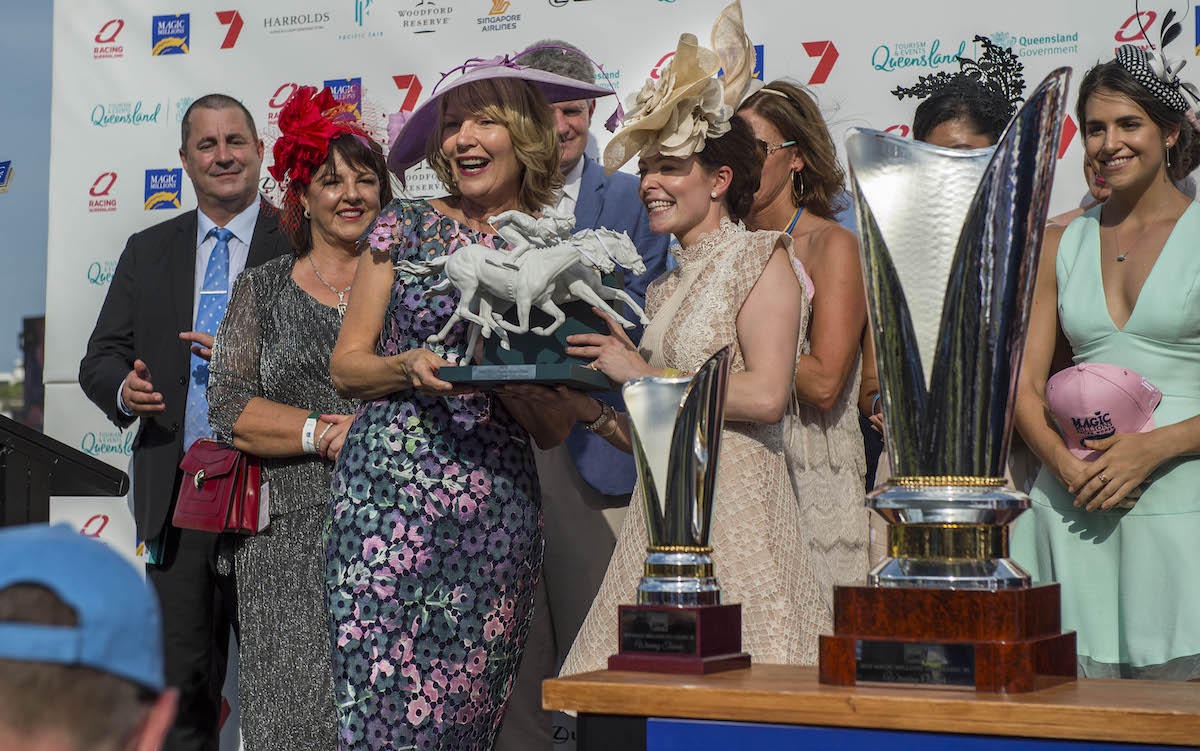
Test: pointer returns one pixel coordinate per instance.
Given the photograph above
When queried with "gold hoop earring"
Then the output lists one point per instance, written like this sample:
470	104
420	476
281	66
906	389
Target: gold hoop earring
798	190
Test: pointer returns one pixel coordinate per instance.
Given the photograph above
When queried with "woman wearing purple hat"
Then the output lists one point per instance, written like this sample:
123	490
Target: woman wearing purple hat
1116	292
433	545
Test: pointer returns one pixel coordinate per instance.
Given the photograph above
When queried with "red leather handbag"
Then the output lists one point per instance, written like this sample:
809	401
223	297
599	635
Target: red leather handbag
220	490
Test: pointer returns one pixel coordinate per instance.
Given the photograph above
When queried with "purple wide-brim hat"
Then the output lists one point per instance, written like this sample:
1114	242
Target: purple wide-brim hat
408	132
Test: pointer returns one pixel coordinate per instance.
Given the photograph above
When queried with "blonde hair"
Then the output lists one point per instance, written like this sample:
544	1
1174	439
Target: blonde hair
524	112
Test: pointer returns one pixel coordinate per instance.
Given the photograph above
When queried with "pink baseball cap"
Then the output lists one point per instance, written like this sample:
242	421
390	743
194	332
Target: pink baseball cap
1094	400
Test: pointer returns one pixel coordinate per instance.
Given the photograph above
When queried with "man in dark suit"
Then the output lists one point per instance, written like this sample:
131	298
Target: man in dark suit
585	476
167	295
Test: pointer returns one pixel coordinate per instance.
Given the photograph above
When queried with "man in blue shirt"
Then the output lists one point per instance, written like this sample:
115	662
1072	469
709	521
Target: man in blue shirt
585	475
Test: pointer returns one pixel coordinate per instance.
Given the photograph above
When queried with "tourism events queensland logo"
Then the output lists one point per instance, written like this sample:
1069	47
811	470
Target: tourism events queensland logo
170	35
498	17
128	113
99	200
348	93
425	16
163	188
921	53
105	42
107	443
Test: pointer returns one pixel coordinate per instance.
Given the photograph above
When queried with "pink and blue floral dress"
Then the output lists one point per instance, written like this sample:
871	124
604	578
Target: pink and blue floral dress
433	542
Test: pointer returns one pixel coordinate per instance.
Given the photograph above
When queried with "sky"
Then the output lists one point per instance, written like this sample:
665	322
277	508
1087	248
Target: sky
25	139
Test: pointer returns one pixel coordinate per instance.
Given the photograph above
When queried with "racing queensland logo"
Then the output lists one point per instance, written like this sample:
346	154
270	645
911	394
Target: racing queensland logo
348	93
106	46
278	99
170	35
1133	31
163	188
498	17
99	200
920	53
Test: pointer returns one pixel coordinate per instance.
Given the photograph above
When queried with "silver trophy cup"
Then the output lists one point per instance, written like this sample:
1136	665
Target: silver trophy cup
676	425
950	242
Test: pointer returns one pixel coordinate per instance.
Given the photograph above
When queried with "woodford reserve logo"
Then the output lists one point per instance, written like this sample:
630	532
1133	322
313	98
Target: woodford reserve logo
425	17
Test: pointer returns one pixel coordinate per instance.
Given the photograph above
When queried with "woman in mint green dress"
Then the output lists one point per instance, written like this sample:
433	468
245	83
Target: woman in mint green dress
1121	285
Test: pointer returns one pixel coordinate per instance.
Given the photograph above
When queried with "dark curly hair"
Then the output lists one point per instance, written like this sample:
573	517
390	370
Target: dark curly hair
1111	77
739	151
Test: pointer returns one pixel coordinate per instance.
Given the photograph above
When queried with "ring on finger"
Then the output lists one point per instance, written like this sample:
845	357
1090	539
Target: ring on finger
1103	478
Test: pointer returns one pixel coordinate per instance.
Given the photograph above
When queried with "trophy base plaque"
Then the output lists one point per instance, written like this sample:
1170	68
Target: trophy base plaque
692	639
1005	640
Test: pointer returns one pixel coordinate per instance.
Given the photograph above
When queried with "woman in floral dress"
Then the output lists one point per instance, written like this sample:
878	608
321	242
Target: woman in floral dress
433	546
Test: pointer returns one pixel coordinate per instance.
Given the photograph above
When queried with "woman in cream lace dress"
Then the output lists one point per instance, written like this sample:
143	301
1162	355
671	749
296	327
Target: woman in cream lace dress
735	287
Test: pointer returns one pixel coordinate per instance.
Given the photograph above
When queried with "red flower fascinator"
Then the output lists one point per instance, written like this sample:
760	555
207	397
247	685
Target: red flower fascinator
307	123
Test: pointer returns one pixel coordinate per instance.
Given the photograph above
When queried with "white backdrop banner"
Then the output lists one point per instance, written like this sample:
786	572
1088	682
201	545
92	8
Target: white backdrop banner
126	70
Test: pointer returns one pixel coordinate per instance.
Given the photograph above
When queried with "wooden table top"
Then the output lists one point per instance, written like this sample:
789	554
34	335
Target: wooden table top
1088	709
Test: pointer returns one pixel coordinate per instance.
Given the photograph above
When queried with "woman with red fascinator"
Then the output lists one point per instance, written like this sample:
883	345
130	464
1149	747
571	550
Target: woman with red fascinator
270	395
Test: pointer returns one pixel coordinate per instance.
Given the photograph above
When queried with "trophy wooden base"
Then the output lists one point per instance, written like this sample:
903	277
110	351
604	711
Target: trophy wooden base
696	640
1001	640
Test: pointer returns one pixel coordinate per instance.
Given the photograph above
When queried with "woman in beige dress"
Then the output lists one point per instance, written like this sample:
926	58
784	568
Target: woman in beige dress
732	286
800	191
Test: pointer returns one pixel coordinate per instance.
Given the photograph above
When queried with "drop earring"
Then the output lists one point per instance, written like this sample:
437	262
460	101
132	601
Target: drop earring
798	187
1168	153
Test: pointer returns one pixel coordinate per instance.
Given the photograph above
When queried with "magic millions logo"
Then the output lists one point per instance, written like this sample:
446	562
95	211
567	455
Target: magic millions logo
106	46
287	24
6	173
425	17
348	93
170	35
99	200
163	188
499	17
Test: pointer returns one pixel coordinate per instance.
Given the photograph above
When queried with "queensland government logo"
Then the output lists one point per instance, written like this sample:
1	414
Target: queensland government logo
106	46
170	35
425	17
107	443
918	54
163	187
498	18
1038	45
127	113
348	93
296	22
99	201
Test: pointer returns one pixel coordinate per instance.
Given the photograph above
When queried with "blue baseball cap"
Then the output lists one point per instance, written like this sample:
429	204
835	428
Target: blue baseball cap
119	629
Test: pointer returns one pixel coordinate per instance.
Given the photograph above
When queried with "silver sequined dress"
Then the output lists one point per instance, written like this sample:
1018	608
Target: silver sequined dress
275	342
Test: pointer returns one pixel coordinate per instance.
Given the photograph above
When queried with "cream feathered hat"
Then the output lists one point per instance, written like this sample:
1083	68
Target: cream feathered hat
689	102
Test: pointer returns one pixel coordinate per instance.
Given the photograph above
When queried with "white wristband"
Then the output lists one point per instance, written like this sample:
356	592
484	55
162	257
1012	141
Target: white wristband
308	435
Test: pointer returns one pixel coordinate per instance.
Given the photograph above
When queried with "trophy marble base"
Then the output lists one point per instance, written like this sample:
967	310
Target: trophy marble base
990	640
697	640
568	374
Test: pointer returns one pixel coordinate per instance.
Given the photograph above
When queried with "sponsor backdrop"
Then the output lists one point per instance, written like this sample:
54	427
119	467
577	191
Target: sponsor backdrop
124	72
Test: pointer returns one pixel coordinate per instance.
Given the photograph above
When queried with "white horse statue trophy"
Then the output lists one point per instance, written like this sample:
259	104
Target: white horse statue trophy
549	267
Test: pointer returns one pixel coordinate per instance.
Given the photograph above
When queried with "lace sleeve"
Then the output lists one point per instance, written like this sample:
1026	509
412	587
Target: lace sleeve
234	372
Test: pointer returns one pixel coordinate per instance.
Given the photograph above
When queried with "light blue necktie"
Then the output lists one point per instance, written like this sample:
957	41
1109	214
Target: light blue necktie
213	297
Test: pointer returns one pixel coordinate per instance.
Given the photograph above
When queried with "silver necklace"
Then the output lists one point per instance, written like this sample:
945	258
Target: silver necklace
341	304
1136	240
